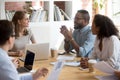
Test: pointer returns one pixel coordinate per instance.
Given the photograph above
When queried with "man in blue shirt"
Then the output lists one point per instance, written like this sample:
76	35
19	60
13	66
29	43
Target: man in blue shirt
82	39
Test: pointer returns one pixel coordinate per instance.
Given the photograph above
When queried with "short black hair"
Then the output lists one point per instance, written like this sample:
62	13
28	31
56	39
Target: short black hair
105	25
85	14
6	30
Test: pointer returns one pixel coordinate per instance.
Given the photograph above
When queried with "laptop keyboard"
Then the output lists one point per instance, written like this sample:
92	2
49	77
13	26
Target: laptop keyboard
22	70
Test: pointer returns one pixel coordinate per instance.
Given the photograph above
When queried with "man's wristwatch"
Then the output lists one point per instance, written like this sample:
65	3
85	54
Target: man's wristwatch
72	39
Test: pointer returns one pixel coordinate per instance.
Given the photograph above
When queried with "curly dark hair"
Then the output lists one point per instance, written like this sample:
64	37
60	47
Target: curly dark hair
105	25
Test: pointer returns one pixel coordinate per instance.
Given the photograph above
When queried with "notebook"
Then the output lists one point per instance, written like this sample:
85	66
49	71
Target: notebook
41	51
28	64
56	70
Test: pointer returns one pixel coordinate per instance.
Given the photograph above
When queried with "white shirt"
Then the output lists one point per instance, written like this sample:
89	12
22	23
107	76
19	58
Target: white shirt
110	51
8	70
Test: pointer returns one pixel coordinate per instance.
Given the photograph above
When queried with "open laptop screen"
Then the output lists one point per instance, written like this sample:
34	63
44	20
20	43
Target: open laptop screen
29	60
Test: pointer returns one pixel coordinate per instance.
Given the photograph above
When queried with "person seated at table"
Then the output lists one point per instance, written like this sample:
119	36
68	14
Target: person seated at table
23	35
7	69
82	39
107	44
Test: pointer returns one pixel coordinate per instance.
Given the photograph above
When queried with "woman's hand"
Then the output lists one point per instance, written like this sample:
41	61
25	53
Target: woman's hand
20	53
16	54
84	63
117	73
39	73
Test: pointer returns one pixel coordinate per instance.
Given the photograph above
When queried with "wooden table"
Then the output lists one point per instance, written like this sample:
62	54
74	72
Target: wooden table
67	72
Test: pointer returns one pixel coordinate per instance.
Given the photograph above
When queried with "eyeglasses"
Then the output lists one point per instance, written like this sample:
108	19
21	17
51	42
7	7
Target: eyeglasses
76	18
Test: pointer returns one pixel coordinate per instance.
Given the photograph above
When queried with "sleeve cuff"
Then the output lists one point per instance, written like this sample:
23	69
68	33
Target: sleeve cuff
25	76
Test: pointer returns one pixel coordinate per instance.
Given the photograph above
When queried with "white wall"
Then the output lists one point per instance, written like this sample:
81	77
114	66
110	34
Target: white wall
41	31
56	37
50	32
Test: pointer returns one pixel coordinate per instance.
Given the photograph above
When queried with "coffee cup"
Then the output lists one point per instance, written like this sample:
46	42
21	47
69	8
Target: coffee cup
53	52
91	62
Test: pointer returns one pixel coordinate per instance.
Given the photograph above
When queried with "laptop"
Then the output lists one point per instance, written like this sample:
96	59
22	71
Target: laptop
41	50
28	63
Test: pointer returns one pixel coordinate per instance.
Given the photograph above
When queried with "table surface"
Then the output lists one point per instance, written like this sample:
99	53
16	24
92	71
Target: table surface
67	72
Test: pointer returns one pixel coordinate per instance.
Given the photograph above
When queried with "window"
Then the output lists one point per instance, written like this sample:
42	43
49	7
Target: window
116	11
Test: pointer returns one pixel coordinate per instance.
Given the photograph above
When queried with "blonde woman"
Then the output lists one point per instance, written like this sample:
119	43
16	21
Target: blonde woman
23	35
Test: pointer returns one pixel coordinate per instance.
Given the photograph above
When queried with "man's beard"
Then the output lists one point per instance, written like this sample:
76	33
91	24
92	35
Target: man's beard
78	26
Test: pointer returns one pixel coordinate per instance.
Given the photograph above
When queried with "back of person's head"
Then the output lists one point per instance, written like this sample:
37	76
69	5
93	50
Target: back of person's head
85	15
105	25
6	30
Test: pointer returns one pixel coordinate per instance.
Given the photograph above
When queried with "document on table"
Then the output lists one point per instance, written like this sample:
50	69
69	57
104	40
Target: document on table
73	63
104	67
65	57
109	77
56	70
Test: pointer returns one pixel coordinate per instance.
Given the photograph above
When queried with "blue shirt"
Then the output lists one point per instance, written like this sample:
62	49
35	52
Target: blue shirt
85	39
8	70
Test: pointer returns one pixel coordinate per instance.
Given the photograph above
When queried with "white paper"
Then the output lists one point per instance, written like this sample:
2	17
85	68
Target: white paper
109	77
56	70
74	63
11	58
104	67
66	57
